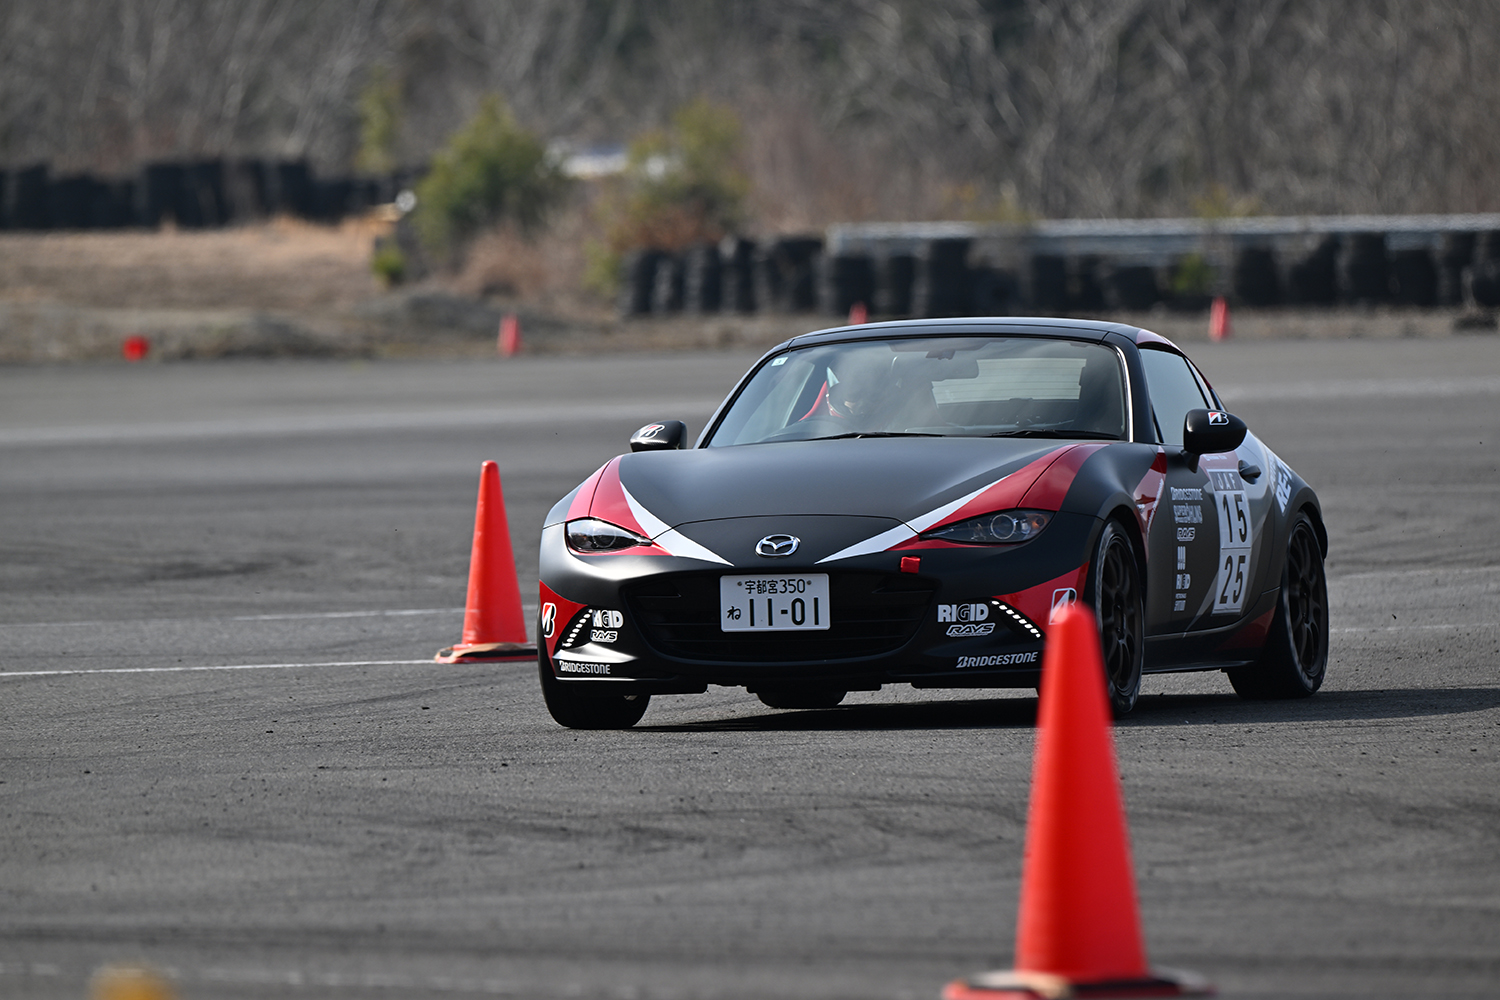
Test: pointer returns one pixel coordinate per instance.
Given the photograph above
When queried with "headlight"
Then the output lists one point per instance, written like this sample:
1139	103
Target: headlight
1005	528
593	535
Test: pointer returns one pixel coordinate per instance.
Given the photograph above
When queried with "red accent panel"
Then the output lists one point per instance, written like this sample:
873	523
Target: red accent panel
1252	635
1036	602
1148	492
584	498
911	564
1053	485
1004	494
822	398
927	543
566	609
609	500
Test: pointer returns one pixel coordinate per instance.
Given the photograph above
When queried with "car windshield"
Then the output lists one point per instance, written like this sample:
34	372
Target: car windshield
933	387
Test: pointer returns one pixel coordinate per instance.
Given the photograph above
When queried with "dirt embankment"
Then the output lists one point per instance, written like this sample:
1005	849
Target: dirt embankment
290	289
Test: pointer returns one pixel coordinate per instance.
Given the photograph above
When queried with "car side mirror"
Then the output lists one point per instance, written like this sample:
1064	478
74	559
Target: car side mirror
1208	432
662	436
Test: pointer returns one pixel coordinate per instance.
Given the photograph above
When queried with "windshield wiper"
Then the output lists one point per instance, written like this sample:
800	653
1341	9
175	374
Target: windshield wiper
1039	432
875	434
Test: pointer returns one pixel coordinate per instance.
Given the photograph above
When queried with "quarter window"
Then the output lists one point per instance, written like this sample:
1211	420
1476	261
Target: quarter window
1174	391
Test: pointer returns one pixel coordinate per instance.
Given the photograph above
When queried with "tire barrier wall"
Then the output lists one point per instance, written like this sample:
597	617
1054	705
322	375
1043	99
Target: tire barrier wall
197	194
961	276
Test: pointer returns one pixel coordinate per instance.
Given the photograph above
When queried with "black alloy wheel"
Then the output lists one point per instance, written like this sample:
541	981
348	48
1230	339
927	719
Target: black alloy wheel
1119	607
1295	656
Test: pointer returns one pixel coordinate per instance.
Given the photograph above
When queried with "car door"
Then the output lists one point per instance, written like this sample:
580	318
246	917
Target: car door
1183	549
1208	561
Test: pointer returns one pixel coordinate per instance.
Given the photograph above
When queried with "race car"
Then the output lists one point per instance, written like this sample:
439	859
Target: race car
912	503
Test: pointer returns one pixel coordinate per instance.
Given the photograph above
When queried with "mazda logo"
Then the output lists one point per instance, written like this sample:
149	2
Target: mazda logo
777	545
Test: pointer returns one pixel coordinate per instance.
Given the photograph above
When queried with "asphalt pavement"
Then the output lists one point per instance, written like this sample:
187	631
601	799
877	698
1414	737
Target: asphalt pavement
226	751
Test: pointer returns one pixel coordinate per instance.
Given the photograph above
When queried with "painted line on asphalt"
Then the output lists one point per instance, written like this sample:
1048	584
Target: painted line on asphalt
515	415
299	616
1363	388
218	666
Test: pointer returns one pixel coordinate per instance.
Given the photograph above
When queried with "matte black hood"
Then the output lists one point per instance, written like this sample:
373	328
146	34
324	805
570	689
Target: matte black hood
872	477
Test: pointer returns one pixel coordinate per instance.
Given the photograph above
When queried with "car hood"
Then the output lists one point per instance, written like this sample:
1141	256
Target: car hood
904	479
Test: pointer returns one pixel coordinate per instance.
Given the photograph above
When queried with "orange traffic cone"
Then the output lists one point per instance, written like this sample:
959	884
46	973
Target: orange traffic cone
858	314
1218	319
494	628
510	335
1079	930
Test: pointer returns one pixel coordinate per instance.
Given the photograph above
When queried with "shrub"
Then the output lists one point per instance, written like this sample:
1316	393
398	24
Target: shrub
492	170
389	263
683	186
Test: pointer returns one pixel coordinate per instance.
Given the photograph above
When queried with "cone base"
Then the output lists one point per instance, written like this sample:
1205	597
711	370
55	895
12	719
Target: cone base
486	652
1014	984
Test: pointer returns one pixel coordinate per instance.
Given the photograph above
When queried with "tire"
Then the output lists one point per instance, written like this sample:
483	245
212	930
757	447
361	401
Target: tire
1295	655
1117	598
792	698
581	711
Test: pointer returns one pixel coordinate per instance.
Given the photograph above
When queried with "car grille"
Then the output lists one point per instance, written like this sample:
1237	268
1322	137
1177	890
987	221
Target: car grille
873	613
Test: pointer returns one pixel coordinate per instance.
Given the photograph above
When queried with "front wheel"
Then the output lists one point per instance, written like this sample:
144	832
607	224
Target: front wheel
582	711
1295	656
1118	601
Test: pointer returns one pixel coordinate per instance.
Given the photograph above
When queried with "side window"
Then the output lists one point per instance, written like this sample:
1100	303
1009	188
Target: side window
1174	390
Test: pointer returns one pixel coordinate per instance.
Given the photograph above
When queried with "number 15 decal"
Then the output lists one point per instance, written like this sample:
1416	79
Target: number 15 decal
1236	539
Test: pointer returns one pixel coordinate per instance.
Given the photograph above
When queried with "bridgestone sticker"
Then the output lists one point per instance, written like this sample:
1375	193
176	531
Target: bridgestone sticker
582	667
998	660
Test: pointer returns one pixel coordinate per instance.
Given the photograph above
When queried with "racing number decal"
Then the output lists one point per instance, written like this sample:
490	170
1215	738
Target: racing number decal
1236	539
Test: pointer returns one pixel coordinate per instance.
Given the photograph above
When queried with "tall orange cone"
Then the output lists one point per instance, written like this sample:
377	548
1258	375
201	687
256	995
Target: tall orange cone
494	627
510	335
1079	932
1219	327
858	314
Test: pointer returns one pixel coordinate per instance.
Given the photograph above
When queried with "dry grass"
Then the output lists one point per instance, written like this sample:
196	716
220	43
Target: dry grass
278	265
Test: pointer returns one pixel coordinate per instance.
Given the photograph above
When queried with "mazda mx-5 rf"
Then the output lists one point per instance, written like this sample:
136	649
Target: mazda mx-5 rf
911	503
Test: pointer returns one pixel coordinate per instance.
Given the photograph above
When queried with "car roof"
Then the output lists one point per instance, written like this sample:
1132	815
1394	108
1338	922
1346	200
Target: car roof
1035	326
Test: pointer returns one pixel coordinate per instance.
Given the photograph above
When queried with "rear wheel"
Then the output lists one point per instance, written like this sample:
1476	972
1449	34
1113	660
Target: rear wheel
1118	602
578	710
792	698
1295	656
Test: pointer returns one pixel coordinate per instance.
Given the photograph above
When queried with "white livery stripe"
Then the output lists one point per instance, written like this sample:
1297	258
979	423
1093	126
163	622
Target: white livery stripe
881	542
664	535
911	529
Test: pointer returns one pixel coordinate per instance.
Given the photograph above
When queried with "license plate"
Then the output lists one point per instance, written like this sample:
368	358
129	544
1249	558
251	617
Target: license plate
767	603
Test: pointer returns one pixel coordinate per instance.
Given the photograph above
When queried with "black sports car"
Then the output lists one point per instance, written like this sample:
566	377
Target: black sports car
911	503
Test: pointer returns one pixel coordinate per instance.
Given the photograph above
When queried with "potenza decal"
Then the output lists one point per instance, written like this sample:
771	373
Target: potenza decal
971	629
549	619
1187	513
1217	418
1060	599
998	660
650	430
